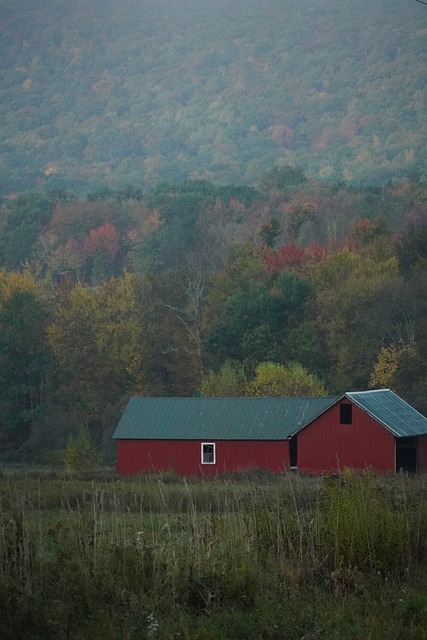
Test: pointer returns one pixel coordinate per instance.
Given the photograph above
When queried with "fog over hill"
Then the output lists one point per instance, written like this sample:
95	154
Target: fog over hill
111	93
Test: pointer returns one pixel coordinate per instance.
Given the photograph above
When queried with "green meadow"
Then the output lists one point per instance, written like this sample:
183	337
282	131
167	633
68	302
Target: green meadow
247	556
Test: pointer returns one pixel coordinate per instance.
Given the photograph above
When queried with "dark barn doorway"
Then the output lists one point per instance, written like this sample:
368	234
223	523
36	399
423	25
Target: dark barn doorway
293	452
406	454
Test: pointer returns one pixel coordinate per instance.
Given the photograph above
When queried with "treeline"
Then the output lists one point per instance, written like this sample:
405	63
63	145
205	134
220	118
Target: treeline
295	288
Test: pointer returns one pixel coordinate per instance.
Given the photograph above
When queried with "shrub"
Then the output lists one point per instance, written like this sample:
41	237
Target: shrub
80	453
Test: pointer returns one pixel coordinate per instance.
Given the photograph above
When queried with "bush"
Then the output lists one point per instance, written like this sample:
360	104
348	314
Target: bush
80	453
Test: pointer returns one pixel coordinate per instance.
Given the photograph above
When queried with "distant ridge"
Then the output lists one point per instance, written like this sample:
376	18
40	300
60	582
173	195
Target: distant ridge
138	92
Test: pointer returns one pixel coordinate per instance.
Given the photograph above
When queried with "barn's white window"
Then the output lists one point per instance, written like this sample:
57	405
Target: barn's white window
208	453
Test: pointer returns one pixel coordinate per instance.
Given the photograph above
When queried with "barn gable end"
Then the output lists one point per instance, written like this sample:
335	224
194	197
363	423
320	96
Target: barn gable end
329	444
365	429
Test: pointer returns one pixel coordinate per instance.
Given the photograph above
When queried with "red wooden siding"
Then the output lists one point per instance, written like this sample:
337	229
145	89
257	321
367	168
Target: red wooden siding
326	446
422	454
183	456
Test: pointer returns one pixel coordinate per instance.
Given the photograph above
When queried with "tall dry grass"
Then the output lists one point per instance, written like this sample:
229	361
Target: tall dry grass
165	557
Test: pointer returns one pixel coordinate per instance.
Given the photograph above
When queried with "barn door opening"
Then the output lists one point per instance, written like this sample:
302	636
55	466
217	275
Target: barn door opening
406	454
293	452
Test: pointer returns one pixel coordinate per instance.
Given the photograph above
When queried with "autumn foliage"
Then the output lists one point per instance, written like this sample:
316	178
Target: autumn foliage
203	289
290	256
102	240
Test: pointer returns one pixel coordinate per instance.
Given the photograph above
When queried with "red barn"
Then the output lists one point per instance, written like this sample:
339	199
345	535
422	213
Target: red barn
314	435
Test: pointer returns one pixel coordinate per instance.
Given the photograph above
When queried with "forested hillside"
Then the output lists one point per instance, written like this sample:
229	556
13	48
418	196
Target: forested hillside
133	92
297	288
217	198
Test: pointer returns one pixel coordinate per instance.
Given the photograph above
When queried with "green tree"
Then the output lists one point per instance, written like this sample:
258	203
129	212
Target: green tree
174	330
190	222
283	177
21	223
306	345
269	233
235	309
247	330
25	356
253	310
412	248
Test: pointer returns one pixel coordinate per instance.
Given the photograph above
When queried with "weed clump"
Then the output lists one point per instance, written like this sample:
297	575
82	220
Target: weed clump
362	527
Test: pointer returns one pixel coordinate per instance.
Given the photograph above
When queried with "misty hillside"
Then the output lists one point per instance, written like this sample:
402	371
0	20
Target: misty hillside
137	91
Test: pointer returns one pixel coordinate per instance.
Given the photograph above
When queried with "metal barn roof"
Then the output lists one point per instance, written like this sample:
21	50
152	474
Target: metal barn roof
392	412
219	418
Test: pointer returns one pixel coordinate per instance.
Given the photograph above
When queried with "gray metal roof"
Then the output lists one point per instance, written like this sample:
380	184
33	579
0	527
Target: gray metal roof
218	418
392	412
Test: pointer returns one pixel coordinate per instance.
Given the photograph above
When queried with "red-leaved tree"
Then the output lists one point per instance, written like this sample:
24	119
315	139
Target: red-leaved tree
290	256
100	250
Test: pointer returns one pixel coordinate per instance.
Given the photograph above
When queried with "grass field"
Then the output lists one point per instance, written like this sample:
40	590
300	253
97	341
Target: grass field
249	556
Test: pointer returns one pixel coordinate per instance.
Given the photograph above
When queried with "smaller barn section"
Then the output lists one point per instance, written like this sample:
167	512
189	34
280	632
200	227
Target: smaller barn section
375	429
212	435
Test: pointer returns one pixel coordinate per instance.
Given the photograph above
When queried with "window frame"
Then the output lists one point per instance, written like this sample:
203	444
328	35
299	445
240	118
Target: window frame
202	452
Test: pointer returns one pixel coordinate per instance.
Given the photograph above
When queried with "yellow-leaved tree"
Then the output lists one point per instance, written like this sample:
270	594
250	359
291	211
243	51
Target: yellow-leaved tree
273	379
358	301
402	369
229	381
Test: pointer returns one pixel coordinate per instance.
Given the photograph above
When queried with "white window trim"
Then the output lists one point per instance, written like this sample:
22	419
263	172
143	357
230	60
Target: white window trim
212	444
